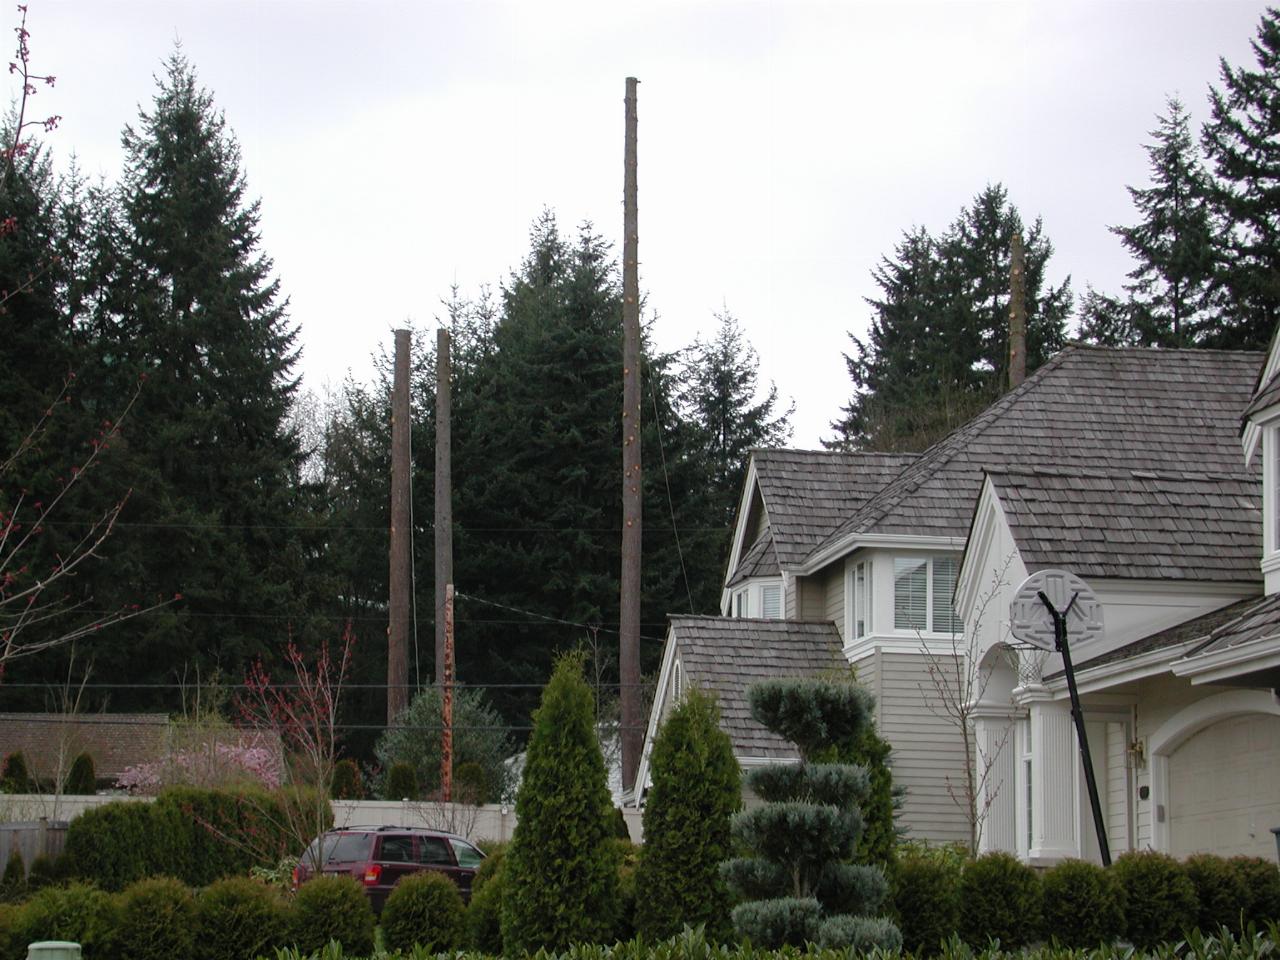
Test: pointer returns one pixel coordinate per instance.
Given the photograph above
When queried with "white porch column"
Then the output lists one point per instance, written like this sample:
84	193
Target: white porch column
996	753
1053	785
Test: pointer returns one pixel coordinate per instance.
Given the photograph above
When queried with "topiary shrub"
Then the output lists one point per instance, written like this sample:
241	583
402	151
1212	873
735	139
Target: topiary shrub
1261	878
696	788
14	777
156	920
1220	890
347	782
926	896
562	866
424	909
401	784
80	913
484	913
82	780
1160	899
237	918
1083	905
1000	899
332	908
14	884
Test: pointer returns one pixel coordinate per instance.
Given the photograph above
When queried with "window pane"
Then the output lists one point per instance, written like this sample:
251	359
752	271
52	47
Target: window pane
433	850
944	585
771	602
910	594
468	856
860	600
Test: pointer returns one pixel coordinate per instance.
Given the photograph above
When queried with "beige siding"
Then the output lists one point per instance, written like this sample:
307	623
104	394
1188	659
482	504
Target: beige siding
927	749
811	597
1117	798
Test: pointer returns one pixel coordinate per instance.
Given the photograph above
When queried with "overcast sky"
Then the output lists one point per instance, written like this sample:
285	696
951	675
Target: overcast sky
400	147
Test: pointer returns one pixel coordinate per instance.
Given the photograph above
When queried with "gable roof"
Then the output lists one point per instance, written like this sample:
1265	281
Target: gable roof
1112	408
760	561
725	656
1135	524
808	493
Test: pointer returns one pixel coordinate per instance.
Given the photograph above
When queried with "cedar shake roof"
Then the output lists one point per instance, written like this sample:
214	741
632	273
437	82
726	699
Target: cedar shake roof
1104	408
760	561
1265	397
1259	621
1142	525
725	656
114	740
808	493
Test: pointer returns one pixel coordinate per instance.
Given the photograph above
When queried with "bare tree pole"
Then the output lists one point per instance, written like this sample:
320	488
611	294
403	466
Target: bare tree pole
401	558
444	493
629	626
1017	312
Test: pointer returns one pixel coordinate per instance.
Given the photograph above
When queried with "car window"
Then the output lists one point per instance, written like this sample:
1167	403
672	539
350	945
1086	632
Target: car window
347	847
468	856
397	850
434	850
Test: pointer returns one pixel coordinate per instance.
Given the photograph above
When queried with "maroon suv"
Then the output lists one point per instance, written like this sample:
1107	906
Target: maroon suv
379	856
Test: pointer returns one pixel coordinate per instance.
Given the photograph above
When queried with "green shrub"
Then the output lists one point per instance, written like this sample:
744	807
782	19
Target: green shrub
926	897
347	783
114	845
12	946
562	872
1220	891
14	777
1262	880
424	909
624	927
78	912
238	918
1160	899
332	908
402	783
82	780
619	822
14	884
1083	905
484	913
157	917
1000	899
46	871
696	788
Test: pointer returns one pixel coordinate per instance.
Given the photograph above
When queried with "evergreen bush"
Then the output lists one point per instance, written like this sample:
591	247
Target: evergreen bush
1160	899
879	840
80	913
401	783
114	845
156	920
82	780
14	777
1220	891
804	836
424	909
347	782
695	791
238	918
926	897
12	946
14	884
484	913
46	871
624	927
1083	905
332	908
1262	880
561	868
1000	899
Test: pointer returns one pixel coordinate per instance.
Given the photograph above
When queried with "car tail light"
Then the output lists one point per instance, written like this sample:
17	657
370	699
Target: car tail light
297	876
372	874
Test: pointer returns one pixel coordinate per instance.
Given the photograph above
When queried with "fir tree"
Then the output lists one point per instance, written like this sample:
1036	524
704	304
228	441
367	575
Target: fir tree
1242	140
561	870
695	789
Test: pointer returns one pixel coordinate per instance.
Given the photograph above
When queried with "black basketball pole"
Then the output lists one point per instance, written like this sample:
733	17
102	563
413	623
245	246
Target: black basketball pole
1060	639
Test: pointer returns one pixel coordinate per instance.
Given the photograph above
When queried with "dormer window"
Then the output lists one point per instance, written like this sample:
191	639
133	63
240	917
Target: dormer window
761	599
922	592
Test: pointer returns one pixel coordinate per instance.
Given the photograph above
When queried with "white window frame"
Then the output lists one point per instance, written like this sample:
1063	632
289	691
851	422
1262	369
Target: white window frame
860	600
929	599
766	589
1272	501
747	601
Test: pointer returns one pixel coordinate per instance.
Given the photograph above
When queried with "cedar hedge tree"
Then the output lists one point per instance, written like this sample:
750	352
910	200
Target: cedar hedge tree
82	780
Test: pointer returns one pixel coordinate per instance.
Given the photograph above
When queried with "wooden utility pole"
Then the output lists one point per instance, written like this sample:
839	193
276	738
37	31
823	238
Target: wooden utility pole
446	702
1017	312
629	627
444	559
401	537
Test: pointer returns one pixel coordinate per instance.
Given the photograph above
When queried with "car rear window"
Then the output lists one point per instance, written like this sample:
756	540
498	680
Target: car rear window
347	847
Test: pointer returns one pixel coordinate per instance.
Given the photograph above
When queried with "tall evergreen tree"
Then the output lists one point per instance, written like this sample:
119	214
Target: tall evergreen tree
1242	140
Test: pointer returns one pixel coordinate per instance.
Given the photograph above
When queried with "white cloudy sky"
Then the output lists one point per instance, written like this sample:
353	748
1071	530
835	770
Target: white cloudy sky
399	147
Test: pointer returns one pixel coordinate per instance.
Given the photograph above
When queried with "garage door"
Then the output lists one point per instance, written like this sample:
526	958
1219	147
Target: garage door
1224	789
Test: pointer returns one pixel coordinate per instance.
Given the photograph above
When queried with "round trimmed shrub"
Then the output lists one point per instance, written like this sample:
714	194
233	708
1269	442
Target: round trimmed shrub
237	918
332	908
484	913
926	899
424	909
80	913
1220	890
1160	899
156	919
1261	878
772	924
82	780
861	935
1083	905
347	783
402	783
1000	899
